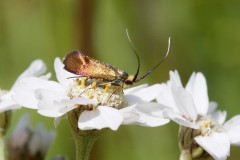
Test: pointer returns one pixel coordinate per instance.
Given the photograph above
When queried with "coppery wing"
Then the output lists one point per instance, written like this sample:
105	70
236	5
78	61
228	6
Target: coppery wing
79	63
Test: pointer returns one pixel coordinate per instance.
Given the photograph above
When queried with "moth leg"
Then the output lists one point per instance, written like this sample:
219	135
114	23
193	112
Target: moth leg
93	85
78	76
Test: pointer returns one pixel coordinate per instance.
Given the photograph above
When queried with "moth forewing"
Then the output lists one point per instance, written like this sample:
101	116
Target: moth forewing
80	64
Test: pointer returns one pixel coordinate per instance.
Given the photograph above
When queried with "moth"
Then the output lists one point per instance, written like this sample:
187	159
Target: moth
79	63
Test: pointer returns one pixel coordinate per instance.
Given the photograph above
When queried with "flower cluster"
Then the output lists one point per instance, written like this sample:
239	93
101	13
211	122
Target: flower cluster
203	128
99	104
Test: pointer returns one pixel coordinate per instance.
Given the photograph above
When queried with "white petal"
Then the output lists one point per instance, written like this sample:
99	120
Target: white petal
129	115
25	88
151	114
36	68
150	108
102	117
232	127
130	118
197	87
63	75
47	105
134	89
212	107
179	119
175	78
7	102
69	103
145	114
219	116
165	97
184	102
144	95
54	104
217	145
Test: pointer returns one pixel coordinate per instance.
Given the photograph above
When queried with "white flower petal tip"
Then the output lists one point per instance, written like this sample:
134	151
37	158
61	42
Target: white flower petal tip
63	76
219	116
37	68
216	144
212	107
197	87
232	127
175	78
7	101
102	117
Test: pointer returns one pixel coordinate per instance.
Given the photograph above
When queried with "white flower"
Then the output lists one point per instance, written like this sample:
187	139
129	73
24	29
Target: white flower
36	69
191	108
27	142
100	107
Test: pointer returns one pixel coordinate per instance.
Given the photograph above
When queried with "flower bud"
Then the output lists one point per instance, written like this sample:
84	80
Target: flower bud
190	150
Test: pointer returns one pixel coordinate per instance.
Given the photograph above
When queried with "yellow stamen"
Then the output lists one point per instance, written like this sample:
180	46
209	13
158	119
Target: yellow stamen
83	82
94	84
206	123
107	87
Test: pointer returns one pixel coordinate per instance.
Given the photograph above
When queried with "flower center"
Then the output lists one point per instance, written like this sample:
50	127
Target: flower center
97	89
208	125
188	146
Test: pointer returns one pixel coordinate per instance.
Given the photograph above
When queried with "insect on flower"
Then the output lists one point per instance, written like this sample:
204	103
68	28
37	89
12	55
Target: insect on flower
78	63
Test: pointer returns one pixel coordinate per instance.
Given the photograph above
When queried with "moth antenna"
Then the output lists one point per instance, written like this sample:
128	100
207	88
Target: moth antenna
135	52
163	59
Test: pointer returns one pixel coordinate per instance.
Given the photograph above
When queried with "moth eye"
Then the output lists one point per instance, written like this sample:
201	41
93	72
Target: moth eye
124	75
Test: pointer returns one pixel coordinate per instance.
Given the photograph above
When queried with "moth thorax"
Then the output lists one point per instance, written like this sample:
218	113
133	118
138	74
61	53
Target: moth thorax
99	90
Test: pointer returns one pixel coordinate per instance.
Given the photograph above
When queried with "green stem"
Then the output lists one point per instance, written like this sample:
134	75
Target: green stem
2	148
4	124
84	144
84	139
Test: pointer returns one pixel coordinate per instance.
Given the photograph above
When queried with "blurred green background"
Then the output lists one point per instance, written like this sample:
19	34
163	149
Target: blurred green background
205	37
